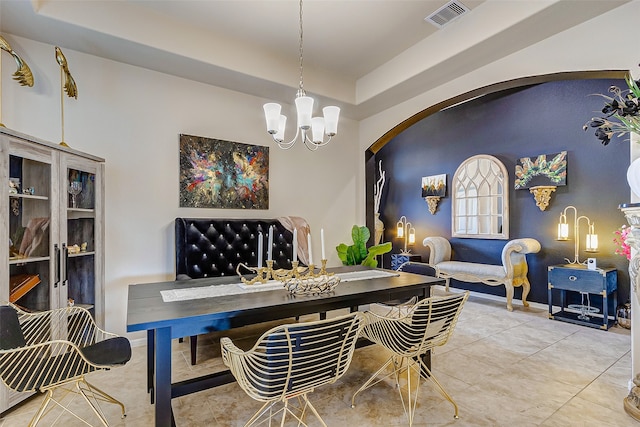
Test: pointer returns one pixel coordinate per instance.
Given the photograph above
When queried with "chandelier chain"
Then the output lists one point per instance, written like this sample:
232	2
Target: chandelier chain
301	51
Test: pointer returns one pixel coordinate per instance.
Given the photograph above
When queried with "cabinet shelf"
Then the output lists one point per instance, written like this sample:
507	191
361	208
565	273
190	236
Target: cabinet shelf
15	261
27	196
81	254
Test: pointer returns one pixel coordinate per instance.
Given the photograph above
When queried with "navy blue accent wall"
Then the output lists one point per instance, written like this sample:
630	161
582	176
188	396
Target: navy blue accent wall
524	122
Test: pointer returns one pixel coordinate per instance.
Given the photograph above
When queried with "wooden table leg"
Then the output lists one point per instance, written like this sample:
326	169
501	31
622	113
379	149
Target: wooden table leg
150	362
162	375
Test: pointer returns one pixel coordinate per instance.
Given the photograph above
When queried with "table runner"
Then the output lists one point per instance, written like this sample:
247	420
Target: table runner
184	294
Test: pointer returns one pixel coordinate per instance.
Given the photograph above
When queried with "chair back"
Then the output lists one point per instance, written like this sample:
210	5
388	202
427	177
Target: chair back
294	359
11	335
428	324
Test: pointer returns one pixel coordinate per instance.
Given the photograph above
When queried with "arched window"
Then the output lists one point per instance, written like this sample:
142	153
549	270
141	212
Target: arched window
480	199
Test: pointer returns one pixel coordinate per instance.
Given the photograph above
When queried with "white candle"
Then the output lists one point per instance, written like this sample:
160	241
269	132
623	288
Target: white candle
295	245
270	243
260	249
322	243
309	246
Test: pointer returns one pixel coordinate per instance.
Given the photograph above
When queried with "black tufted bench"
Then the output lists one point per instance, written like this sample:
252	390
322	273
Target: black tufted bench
209	247
214	247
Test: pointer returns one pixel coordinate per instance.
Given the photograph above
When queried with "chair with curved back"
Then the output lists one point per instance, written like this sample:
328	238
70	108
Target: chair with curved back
290	361
54	350
427	325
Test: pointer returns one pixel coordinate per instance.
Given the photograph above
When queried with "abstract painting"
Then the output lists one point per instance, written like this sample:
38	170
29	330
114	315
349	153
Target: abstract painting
223	174
434	185
546	169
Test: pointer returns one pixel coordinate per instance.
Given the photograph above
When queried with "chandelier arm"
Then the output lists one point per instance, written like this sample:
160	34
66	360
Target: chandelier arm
287	145
316	144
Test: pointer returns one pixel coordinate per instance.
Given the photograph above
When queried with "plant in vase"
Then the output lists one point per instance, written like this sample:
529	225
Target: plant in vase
358	254
622	247
621	117
622	113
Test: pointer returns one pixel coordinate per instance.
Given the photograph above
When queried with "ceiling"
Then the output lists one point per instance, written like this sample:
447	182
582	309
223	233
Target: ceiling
362	55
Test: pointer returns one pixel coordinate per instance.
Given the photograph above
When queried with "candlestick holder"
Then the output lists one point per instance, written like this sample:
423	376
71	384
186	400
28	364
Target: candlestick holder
298	280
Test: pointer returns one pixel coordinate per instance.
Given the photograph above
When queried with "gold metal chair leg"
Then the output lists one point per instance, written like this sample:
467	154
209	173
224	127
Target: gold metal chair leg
313	409
36	418
373	380
91	394
440	388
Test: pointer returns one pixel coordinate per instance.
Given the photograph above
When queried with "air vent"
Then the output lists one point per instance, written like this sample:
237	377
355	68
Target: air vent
447	13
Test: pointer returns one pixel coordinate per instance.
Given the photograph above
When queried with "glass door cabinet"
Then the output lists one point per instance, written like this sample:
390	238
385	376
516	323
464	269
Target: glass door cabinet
52	223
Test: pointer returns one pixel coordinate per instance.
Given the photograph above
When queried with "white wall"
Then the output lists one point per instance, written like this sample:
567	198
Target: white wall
132	117
604	43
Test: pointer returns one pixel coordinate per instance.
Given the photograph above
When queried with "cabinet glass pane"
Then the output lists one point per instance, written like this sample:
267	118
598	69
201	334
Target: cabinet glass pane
29	233
80	261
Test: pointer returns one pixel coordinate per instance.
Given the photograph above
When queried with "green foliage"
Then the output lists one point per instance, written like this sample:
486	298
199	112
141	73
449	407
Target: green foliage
357	253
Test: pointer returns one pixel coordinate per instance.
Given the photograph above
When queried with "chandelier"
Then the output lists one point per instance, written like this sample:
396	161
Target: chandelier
311	129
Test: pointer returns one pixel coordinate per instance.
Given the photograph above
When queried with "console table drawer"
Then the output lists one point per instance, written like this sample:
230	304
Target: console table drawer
582	280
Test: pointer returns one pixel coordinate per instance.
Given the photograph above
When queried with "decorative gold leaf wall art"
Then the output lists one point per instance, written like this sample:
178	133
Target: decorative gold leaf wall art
67	84
22	75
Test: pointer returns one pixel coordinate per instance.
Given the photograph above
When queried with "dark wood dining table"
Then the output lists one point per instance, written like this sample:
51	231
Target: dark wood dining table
164	321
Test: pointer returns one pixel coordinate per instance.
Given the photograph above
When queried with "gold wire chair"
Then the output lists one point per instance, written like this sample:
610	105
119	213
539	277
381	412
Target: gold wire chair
54	350
427	325
290	361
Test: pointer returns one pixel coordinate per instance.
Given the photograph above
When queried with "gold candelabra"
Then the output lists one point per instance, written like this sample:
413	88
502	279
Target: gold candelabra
298	280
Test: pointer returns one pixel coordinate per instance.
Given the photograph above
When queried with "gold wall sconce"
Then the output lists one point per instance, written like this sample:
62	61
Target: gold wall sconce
542	195
406	231
563	233
432	202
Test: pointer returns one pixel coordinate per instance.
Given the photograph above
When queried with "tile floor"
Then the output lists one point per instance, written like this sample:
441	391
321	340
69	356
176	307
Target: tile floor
502	368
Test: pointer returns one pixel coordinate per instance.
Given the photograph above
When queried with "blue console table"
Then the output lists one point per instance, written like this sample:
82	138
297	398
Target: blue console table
578	278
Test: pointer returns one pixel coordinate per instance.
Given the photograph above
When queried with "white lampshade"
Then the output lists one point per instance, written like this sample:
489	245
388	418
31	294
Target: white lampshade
317	129
282	123
563	231
592	242
272	116
304	106
331	115
412	236
400	230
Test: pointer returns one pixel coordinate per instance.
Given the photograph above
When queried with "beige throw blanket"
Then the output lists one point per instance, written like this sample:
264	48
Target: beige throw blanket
296	222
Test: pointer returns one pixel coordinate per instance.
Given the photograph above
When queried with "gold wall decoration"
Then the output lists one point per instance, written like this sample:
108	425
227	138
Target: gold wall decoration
23	74
542	194
67	84
432	202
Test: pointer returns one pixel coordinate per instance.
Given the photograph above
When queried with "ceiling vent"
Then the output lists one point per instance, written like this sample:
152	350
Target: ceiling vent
447	13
